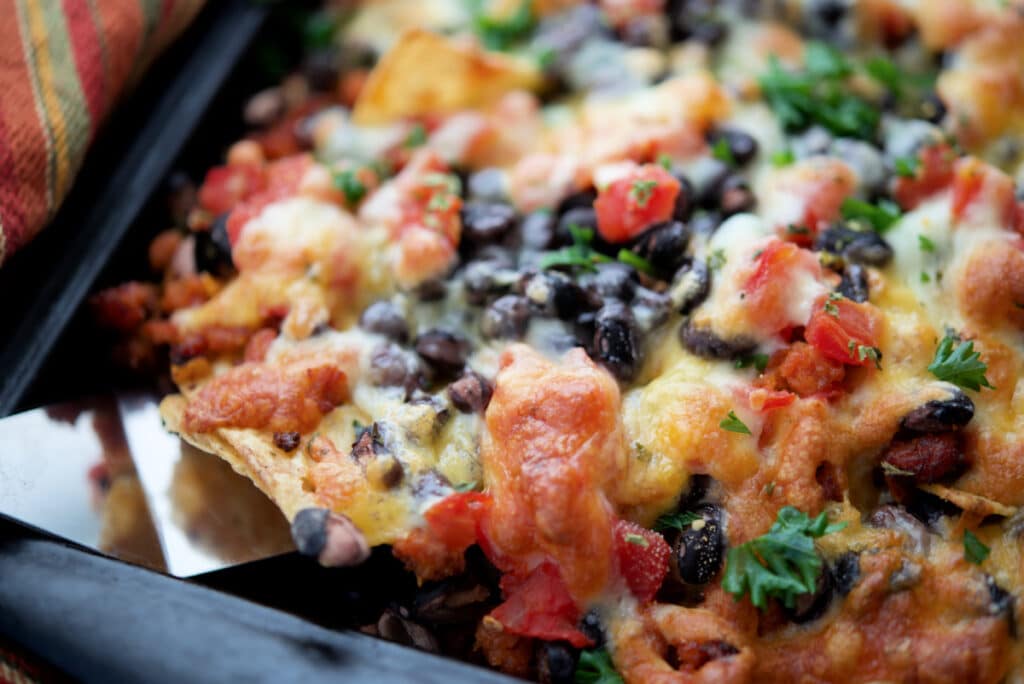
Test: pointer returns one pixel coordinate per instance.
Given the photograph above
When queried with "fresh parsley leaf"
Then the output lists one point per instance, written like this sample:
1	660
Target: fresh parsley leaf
349	184
675	521
642	191
758	361
501	33
925	278
863	351
720	151
417	136
595	667
734	424
824	61
638	540
925	243
467	487
578	255
830	304
880	217
960	365
906	167
885	72
782	563
974	551
665	161
716	259
318	31
636	261
783	157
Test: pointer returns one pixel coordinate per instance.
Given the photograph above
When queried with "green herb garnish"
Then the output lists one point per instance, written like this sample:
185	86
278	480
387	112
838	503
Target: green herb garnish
665	161
720	151
501	33
974	551
879	216
758	361
960	365
830	304
906	167
925	278
350	186
638	540
417	136
734	424
716	259
595	667
783	157
578	255
675	521
925	244
783	563
642	191
636	261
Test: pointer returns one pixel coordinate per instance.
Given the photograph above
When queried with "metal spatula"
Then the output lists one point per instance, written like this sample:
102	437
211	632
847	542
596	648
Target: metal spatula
105	474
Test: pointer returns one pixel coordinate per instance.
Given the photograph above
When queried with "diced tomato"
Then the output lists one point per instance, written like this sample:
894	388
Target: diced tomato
807	196
769	287
761	399
540	606
455	519
1018	217
845	331
226	186
975	182
629	205
934	174
281	180
643	558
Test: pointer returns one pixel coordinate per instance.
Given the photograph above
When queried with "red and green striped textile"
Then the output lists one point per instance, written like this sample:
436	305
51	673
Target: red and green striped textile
63	65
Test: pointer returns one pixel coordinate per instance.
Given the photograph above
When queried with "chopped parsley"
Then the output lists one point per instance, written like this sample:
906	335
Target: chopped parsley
665	161
863	351
467	487
925	278
794	229
830	304
595	667
720	151
906	167
717	259
733	424
818	94
642	190
578	255
675	521
879	216
974	551
783	157
783	563
318	31
636	261
502	32
885	72
417	136
758	361
349	184
925	243
960	365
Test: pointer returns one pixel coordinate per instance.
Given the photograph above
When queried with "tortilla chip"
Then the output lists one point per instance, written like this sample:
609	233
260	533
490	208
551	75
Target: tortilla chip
425	73
250	454
970	503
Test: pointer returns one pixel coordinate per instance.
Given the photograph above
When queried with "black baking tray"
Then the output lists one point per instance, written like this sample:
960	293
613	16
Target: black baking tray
97	619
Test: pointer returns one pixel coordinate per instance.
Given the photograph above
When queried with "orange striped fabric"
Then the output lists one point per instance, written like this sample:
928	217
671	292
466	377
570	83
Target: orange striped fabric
63	64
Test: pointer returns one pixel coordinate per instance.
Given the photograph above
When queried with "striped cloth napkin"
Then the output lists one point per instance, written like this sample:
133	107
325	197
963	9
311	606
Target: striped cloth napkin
63	66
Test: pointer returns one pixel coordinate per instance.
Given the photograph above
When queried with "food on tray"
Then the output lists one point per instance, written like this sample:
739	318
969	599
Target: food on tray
699	325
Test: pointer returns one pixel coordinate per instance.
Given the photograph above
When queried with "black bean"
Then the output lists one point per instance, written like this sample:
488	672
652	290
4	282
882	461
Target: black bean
562	34
940	415
368	445
854	283
859	246
556	663
707	186
431	290
928	508
927	457
322	69
394	627
645	30
287	441
736	196
700	547
846	572
537	230
684	200
695	19
864	158
484	222
487	185
391	366
933	109
703	342
593	628
212	247
583	199
663	245
813	605
384	318
456	600
580	217
471	393
615	340
612	280
696	489
1001	602
485	279
443	350
651	309
506	318
705	223
556	294
309	530
742	146
829	12
893	517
